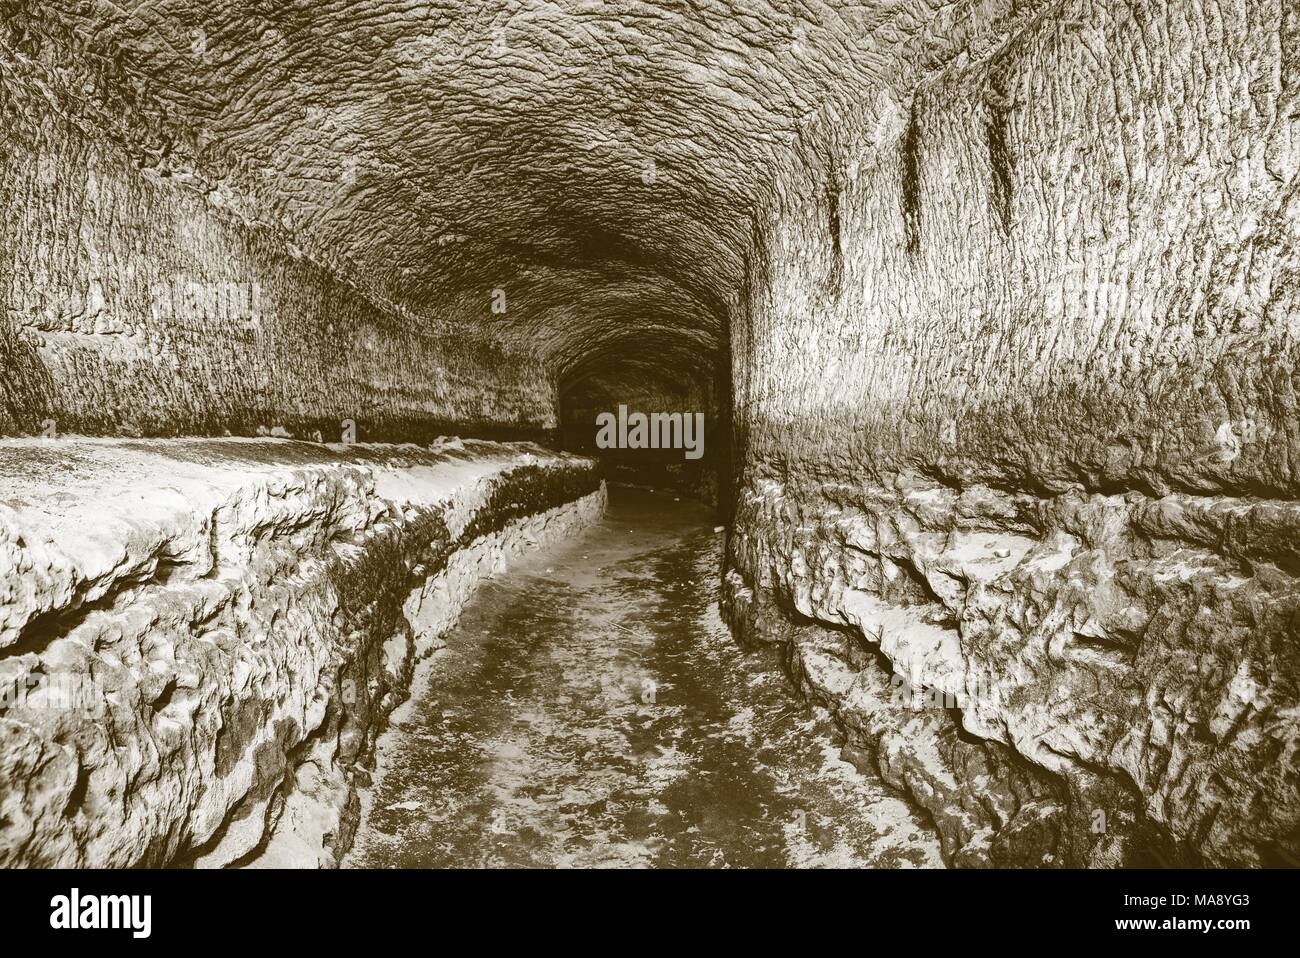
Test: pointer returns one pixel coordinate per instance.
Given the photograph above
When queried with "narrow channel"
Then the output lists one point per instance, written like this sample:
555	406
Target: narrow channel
591	709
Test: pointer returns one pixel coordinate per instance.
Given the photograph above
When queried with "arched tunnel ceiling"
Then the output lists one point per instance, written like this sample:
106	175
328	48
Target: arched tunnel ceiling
597	161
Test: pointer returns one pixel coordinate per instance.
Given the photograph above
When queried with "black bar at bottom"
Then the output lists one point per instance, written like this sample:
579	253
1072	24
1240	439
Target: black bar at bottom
942	909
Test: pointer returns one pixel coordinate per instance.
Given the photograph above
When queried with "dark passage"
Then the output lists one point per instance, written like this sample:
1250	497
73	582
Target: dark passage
590	709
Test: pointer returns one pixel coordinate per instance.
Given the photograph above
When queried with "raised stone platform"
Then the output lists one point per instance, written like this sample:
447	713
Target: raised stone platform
200	639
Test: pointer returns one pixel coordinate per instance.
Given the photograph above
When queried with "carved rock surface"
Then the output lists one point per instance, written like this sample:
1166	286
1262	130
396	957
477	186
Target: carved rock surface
201	638
1035	447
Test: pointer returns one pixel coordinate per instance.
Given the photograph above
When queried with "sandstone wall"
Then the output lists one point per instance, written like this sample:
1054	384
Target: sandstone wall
1015	403
201	639
143	296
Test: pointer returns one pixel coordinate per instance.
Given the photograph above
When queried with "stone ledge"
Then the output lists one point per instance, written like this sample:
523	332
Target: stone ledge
185	623
1127	661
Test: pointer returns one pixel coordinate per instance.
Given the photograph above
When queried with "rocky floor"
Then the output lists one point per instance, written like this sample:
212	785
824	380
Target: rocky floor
591	709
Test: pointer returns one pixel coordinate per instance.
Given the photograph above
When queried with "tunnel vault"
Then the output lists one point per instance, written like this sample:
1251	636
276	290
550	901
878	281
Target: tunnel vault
561	183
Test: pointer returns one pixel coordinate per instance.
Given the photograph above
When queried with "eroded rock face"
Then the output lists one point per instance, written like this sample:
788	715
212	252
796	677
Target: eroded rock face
1035	448
141	304
446	211
228	217
200	640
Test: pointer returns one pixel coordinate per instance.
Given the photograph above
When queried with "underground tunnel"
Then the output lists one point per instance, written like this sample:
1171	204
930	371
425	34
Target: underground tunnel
353	511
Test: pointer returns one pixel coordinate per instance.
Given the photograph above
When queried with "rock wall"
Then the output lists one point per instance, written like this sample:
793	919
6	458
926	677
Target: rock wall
1008	289
1016	416
201	639
142	297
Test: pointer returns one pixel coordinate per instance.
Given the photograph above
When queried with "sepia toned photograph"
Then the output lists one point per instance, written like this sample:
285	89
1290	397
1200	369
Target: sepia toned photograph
696	435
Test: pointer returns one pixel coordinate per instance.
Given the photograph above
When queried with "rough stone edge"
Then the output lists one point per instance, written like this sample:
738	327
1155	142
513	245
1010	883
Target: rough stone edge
322	804
989	807
368	645
320	788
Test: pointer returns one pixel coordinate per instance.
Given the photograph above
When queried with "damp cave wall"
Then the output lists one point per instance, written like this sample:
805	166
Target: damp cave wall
145	295
1015	402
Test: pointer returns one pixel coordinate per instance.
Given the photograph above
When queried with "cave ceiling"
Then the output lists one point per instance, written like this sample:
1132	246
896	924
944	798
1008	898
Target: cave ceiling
599	163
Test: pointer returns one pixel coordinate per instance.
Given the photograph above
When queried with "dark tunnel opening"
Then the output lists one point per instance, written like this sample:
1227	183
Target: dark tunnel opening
648	427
